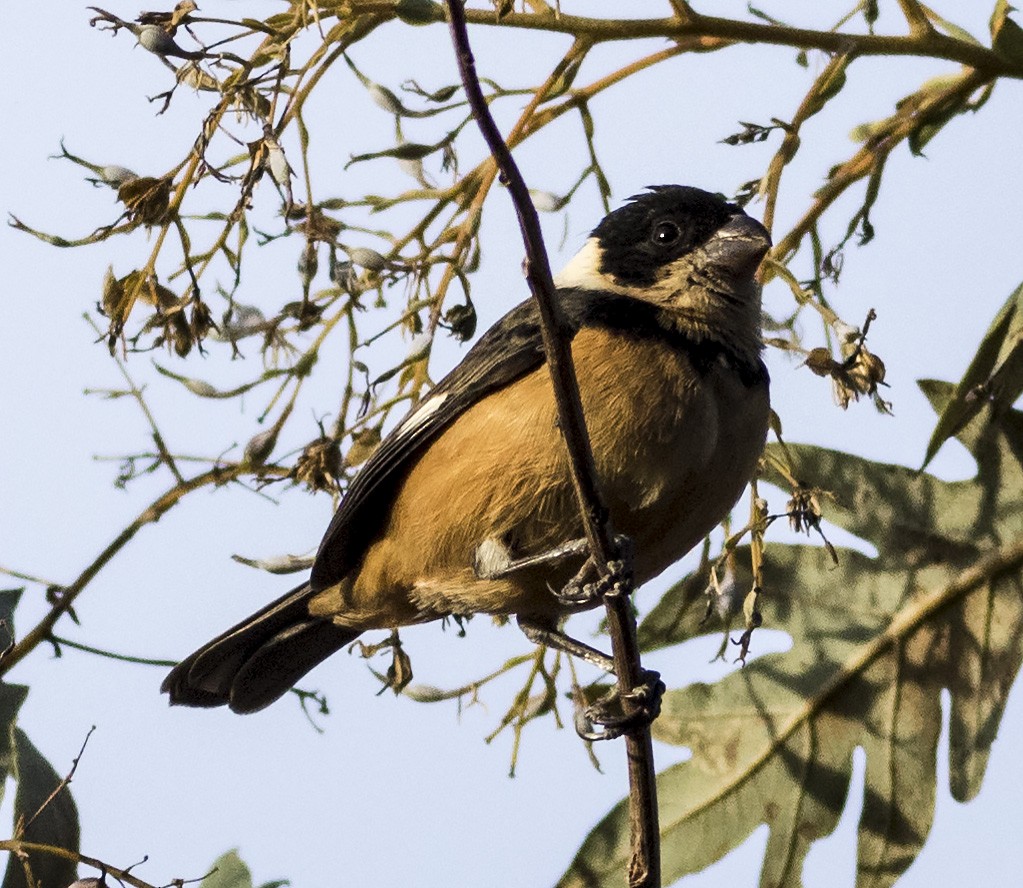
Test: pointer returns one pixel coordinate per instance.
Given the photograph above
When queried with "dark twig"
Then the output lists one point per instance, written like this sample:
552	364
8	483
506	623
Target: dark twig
151	514
20	848
60	642
139	397
60	786
644	869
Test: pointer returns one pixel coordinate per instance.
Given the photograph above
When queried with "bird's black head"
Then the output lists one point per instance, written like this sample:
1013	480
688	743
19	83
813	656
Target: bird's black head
690	252
638	245
638	241
655	228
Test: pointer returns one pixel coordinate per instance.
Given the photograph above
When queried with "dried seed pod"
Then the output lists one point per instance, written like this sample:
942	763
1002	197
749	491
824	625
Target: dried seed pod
157	40
461	319
366	258
804	510
308	263
819	360
320	465
260	446
418	12
115	176
277	163
146	199
201	321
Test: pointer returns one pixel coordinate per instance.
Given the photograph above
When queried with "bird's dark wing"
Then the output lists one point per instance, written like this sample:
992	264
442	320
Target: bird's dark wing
507	351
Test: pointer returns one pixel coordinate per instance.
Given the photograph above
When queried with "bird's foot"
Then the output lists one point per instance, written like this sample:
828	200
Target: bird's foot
588	587
617	713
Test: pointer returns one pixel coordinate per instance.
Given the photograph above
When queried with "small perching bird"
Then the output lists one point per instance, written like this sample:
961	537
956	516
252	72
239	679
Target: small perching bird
467	506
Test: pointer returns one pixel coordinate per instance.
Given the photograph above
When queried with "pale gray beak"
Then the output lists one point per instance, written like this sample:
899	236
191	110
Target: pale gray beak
739	245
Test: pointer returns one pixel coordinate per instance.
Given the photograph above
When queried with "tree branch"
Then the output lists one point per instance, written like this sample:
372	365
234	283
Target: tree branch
875	150
716	33
152	513
16	846
644	869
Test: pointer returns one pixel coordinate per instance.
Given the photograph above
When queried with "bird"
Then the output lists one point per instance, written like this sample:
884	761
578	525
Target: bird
467	506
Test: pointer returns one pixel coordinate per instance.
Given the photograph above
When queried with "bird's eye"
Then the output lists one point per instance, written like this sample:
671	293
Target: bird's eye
666	234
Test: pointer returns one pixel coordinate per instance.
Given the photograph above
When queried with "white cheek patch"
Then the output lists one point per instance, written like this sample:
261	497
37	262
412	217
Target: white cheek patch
583	271
422	413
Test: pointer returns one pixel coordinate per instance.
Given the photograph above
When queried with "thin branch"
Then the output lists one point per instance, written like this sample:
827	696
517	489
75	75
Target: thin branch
875	151
136	393
644	869
60	786
110	655
541	284
813	102
718	33
28	578
20	848
152	513
683	10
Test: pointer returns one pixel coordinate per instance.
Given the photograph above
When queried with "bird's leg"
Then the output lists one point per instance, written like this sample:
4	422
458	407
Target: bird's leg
493	561
605	718
540	633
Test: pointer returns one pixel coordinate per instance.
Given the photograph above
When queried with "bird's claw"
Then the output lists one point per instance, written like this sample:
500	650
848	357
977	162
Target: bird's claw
606	719
617	580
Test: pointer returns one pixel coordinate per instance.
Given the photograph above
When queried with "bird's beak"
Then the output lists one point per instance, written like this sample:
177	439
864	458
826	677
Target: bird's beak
739	246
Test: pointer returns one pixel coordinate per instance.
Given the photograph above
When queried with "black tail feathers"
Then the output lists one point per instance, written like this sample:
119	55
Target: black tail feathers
259	660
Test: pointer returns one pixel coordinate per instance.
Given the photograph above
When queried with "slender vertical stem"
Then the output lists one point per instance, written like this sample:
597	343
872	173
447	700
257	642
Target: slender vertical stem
644	869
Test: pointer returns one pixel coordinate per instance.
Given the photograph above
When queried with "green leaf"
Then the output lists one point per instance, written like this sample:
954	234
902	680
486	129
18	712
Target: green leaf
870	13
940	114
229	871
404	151
563	82
49	817
874	643
828	85
11	698
996	371
929	128
9	599
206	390
952	29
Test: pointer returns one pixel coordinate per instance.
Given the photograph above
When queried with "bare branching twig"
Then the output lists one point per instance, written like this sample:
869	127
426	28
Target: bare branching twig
22	849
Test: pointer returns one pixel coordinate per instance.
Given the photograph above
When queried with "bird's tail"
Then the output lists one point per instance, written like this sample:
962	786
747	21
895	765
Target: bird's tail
260	659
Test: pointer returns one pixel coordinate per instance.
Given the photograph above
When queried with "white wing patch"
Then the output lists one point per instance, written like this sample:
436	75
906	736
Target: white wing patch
491	559
422	413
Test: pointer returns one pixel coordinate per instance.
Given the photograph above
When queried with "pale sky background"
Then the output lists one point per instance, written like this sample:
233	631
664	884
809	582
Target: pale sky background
395	793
